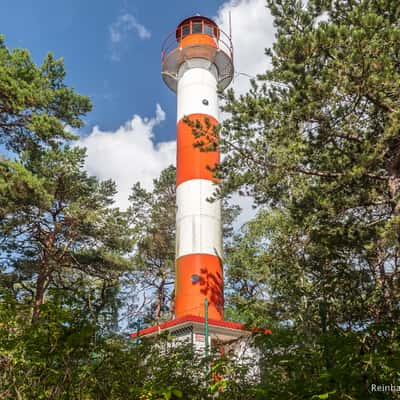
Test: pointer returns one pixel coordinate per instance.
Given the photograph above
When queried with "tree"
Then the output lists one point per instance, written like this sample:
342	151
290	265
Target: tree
315	142
59	229
62	245
36	106
57	226
152	217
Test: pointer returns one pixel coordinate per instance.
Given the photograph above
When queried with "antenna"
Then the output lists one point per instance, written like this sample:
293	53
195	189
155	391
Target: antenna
230	25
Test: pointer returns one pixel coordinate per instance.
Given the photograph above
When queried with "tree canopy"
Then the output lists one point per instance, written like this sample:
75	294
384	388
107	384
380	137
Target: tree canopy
315	142
37	107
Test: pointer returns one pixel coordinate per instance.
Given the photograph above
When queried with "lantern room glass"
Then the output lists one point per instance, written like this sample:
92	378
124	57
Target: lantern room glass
197	26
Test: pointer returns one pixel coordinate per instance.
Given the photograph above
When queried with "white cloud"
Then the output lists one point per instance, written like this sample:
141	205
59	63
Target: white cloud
129	154
121	29
252	33
125	24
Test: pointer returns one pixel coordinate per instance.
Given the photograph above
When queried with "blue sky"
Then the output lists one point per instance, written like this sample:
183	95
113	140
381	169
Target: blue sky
111	51
121	78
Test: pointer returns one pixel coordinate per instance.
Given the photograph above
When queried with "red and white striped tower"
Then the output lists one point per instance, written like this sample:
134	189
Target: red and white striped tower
196	62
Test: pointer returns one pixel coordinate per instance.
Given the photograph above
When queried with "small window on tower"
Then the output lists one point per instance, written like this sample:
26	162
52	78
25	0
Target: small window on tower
185	30
197	27
209	30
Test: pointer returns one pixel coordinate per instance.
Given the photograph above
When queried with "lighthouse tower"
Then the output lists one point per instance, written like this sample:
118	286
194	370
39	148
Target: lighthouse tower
197	61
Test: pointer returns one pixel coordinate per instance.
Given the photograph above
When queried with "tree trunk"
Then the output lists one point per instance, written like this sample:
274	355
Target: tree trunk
160	300
41	286
394	181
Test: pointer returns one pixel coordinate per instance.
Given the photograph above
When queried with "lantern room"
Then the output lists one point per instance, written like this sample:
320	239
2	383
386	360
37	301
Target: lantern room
197	30
197	38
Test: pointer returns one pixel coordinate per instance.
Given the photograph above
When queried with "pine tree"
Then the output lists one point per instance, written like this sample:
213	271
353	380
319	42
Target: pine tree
152	218
36	108
59	227
316	143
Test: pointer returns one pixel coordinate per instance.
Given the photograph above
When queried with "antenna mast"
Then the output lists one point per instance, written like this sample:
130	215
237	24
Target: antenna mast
230	25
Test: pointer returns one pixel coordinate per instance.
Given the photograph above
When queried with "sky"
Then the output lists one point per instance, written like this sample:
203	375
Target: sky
111	51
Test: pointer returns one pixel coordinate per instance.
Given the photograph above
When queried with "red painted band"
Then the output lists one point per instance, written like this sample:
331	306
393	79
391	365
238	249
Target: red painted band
199	276
192	163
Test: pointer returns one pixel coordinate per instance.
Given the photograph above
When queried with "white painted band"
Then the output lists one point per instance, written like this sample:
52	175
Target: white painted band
198	222
197	94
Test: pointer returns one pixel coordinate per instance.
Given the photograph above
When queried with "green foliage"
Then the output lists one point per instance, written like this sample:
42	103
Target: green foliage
152	218
58	226
315	142
36	106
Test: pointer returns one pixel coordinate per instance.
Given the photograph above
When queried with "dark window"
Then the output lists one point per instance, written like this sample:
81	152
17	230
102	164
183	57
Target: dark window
197	27
208	30
185	30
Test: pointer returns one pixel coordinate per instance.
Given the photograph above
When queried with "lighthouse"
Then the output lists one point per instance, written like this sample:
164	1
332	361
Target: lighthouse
197	62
